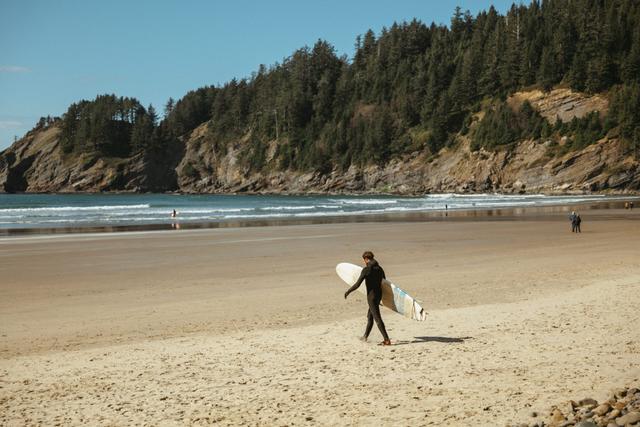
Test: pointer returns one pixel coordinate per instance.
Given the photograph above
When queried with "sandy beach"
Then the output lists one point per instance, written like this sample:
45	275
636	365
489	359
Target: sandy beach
249	326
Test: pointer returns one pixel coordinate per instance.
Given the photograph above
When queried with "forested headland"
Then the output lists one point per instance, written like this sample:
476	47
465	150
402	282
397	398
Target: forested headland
408	88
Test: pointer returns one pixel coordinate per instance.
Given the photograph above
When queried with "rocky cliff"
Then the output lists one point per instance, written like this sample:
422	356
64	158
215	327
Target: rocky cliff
36	163
528	167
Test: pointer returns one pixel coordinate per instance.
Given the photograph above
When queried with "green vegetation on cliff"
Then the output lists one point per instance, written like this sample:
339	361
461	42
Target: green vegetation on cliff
410	87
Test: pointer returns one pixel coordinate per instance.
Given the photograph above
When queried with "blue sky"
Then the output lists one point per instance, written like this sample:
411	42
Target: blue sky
53	53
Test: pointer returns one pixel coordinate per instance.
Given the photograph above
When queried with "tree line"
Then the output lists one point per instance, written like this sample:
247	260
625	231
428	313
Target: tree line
411	87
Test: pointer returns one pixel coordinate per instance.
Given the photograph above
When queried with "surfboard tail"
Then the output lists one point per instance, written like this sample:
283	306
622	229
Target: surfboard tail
419	313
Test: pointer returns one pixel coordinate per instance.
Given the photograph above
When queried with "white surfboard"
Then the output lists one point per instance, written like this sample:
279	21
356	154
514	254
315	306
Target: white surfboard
393	297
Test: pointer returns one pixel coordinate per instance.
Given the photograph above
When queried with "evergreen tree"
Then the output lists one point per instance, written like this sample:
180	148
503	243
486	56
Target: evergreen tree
168	108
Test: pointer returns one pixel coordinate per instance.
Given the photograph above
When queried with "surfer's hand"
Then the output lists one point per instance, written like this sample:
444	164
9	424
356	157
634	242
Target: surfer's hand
346	294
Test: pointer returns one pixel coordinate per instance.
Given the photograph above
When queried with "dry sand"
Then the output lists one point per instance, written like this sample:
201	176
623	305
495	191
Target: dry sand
248	325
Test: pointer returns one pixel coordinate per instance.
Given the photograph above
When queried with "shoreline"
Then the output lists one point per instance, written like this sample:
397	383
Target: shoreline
453	214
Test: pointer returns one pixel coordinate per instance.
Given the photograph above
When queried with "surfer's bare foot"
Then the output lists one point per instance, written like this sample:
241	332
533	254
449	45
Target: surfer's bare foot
363	339
385	342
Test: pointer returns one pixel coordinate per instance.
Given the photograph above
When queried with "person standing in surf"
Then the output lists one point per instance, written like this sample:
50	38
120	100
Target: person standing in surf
372	274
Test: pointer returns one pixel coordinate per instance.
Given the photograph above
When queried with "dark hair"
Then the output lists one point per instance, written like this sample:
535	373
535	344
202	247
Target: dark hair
367	255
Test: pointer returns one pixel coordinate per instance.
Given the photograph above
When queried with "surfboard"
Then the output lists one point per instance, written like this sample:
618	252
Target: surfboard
393	297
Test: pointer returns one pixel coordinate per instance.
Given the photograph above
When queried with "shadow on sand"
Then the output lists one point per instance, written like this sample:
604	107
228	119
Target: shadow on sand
447	340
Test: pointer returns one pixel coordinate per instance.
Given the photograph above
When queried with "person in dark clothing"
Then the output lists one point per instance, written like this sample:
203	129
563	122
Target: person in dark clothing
572	219
578	222
372	274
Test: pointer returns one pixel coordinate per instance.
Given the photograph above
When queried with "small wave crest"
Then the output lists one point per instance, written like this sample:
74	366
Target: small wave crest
73	208
288	208
364	202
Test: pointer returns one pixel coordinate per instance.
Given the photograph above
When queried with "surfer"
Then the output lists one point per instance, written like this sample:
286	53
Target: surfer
372	274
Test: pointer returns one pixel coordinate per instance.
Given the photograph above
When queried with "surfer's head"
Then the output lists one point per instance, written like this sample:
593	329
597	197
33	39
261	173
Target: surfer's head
367	256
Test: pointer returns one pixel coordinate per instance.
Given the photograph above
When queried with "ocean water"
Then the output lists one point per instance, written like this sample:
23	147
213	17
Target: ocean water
20	211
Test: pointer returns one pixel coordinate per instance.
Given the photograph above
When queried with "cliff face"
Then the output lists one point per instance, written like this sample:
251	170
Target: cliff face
601	167
36	164
562	104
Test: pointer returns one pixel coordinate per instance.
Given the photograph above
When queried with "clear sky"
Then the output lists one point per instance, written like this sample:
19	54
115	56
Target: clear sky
53	53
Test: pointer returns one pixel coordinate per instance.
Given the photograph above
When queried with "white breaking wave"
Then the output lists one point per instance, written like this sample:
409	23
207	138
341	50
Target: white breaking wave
298	215
484	196
74	208
206	211
411	209
364	202
440	196
287	208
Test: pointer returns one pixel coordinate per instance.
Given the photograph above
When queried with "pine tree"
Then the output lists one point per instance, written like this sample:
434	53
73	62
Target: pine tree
547	75
168	108
631	64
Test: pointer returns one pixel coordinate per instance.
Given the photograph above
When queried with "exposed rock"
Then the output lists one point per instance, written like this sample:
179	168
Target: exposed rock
561	103
36	163
619	393
602	409
588	403
630	418
201	164
622	409
527	168
619	405
557	417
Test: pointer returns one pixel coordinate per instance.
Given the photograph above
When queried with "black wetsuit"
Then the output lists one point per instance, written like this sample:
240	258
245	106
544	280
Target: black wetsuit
372	274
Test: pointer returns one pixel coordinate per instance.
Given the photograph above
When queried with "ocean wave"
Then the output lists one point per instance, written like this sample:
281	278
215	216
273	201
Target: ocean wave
74	208
497	196
364	202
287	208
283	215
210	210
410	209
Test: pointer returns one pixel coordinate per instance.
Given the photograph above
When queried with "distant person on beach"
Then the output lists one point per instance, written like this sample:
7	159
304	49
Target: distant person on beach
631	205
575	222
572	219
174	214
372	274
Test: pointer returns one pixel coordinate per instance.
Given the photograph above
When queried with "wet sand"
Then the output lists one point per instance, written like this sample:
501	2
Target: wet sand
248	325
